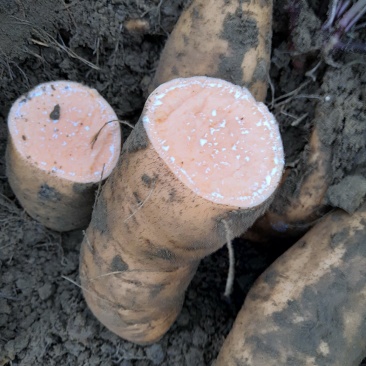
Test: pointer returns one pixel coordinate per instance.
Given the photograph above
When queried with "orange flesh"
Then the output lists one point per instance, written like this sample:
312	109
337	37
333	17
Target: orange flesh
216	139
53	127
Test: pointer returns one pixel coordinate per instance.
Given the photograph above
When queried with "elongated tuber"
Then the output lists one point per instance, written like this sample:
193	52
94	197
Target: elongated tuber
225	39
200	166
309	306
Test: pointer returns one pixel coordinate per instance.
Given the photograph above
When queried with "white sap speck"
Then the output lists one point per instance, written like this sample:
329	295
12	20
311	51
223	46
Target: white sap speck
64	143
238	157
223	123
207	170
89	114
72	174
259	123
276	161
217	195
75	123
203	142
234	148
42	129
44	112
87	128
187	176
165	148
274	171
55	135
43	163
96	173
172	159
224	163
223	149
247	158
268	180
244	132
111	149
214	113
73	134
213	130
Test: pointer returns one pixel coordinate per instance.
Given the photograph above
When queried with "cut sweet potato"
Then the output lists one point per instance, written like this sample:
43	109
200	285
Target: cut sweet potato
52	163
200	166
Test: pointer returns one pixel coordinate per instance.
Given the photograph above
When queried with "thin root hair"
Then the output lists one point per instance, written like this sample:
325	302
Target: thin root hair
86	290
231	272
142	203
95	137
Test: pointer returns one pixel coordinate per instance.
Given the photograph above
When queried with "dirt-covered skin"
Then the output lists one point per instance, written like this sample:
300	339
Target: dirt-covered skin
146	238
43	317
309	306
221	39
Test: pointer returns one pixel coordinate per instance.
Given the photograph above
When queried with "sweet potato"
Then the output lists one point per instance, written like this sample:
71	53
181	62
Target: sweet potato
53	164
226	39
200	166
309	306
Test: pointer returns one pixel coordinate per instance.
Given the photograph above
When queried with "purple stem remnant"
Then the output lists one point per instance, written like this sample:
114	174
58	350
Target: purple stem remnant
353	15
342	8
342	17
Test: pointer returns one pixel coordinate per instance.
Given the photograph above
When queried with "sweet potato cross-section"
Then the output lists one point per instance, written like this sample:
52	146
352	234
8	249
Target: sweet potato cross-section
53	127
217	140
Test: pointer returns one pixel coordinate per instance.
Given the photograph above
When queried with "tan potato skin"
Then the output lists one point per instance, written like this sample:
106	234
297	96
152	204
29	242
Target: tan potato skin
226	39
146	238
56	203
309	307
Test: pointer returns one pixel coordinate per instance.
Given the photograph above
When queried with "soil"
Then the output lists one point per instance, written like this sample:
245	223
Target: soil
114	46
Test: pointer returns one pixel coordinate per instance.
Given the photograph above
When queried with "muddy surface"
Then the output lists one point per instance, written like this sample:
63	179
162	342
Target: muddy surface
114	46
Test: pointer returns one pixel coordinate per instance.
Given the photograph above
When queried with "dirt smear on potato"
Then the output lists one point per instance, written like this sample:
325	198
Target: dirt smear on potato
114	46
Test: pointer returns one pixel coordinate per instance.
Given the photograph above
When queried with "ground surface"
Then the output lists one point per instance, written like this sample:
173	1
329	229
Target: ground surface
43	317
